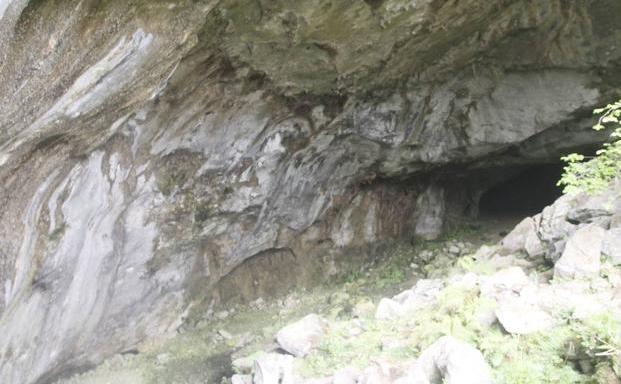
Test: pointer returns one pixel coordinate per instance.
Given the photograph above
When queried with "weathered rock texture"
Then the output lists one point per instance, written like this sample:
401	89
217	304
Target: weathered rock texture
150	150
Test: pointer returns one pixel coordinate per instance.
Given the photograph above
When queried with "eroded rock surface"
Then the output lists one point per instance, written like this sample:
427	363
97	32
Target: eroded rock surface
150	150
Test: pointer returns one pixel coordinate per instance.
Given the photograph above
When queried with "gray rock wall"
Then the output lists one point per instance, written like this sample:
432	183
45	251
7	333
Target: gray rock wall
149	149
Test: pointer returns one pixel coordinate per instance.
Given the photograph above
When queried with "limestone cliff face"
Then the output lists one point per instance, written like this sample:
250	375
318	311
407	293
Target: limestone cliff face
150	149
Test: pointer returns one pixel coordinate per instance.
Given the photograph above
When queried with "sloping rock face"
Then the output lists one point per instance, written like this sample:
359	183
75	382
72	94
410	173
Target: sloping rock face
150	149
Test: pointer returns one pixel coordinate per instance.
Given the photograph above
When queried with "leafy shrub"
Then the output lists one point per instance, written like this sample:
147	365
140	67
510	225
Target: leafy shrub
595	173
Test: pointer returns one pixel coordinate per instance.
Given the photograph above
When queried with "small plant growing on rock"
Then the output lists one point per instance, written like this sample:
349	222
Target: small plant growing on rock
593	174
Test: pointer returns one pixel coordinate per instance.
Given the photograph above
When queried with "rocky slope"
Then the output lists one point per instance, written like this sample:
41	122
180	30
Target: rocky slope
160	157
497	314
534	320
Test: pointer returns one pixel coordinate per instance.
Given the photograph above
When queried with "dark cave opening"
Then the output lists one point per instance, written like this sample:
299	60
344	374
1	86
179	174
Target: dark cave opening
525	192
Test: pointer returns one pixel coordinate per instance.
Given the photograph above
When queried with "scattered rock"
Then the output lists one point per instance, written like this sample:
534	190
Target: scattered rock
426	256
302	336
258	304
273	368
581	257
449	361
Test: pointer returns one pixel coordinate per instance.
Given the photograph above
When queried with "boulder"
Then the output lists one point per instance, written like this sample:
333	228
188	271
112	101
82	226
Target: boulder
273	368
511	280
515	241
519	317
302	336
611	247
593	208
534	246
468	281
389	309
449	361
422	295
575	297
581	257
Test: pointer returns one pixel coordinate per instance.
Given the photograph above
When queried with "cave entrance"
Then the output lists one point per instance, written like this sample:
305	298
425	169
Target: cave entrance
525	193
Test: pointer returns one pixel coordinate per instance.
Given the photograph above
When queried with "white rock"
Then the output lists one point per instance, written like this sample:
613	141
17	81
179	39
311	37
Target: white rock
380	372
466	281
575	297
485	252
389	309
511	279
422	295
533	246
241	379
345	376
515	241
521	318
302	336
428	287
581	257
449	361
244	364
611	246
273	368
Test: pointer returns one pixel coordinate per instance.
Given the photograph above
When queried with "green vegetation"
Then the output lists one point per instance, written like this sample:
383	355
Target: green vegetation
581	351
596	173
574	351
